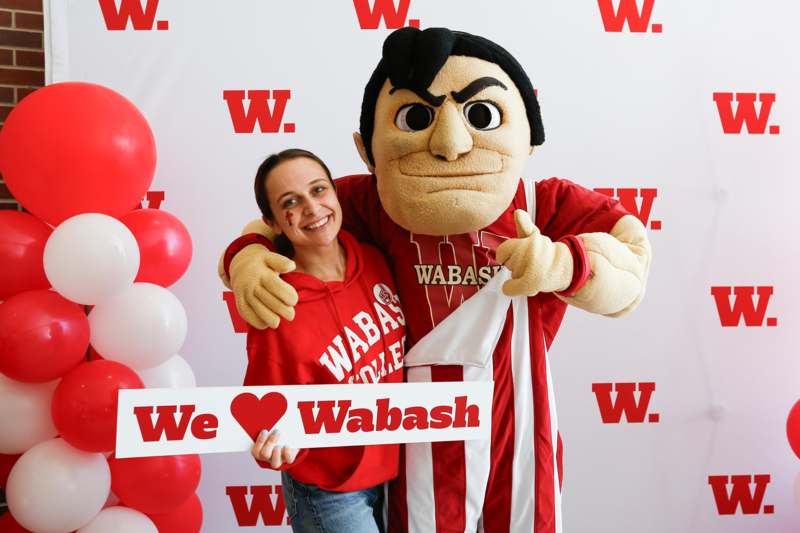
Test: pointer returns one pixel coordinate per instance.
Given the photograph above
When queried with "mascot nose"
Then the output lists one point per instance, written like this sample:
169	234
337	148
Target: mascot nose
450	138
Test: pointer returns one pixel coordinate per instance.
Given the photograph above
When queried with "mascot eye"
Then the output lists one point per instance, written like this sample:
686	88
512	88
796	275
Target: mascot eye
483	115
414	117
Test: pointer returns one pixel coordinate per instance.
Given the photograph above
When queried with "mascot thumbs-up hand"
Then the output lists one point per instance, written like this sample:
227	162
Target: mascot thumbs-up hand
617	265
537	264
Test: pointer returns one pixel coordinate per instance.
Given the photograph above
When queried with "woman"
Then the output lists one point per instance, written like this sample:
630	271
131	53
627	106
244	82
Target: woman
348	328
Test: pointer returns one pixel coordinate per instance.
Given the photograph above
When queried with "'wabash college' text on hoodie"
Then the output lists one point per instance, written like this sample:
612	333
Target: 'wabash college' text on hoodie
348	332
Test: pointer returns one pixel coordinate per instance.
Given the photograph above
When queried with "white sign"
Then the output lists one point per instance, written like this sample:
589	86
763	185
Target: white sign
154	422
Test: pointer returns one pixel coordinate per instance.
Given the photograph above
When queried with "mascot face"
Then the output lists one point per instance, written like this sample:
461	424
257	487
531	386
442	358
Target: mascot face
451	163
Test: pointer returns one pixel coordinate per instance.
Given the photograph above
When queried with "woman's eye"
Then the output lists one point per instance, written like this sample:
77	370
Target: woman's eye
319	189
289	203
414	117
483	115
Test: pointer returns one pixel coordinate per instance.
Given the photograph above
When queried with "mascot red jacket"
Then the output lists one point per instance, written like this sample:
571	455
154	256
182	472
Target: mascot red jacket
485	261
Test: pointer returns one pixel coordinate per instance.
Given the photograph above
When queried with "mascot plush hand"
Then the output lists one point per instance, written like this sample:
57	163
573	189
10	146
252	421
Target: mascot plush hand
485	262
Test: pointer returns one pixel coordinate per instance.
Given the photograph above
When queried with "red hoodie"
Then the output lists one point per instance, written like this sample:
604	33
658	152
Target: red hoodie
313	349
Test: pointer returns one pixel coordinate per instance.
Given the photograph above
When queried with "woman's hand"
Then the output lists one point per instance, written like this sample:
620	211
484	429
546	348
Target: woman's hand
266	449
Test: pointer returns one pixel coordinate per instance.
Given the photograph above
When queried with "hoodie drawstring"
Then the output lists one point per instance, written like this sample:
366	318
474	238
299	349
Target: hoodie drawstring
339	323
375	320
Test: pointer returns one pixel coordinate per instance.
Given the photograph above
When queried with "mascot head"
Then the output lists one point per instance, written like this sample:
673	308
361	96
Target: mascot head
447	122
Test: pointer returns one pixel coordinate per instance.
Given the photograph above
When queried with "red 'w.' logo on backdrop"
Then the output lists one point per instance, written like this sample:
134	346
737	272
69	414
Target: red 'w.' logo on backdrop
628	10
743	306
393	15
625	403
629	198
153	199
745	114
269	119
267	503
741	494
141	17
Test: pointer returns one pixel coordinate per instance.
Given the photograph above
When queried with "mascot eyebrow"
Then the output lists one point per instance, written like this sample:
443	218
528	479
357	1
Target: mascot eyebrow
475	87
435	101
459	96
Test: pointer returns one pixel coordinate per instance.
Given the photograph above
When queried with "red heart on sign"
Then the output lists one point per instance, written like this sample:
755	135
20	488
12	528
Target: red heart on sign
255	414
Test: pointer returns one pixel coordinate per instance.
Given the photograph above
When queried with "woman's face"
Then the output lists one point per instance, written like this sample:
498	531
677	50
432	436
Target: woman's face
304	204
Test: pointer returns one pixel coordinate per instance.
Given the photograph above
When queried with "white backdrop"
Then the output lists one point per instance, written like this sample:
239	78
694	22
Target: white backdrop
621	109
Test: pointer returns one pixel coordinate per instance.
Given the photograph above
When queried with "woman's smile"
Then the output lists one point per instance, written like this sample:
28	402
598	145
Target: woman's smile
317	224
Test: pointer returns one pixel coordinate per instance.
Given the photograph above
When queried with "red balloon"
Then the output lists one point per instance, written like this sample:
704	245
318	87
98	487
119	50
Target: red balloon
77	147
9	525
84	405
187	518
6	464
155	485
793	428
165	246
42	336
22	240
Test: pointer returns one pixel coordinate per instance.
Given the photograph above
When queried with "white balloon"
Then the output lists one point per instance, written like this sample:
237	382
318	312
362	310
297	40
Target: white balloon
120	520
55	488
25	414
174	373
90	257
141	326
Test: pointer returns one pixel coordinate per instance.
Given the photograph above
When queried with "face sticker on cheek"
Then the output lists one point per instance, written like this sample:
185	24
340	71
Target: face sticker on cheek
289	218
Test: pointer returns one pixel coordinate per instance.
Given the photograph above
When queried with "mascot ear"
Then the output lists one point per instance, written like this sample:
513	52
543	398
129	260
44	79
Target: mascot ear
363	151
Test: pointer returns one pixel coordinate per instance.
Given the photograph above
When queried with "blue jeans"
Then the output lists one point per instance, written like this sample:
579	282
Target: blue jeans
314	510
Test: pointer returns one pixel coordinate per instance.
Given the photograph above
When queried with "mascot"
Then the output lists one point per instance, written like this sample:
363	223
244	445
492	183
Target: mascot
485	261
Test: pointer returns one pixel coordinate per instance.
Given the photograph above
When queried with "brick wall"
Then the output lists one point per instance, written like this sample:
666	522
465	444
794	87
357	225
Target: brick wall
21	62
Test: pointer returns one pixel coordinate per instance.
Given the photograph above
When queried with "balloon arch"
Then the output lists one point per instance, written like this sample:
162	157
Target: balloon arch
79	158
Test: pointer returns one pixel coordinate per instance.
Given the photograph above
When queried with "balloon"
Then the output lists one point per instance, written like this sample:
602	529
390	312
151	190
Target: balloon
164	244
85	404
9	525
73	148
22	238
6	462
90	257
174	373
24	414
187	518
42	336
142	326
119	520
793	428
155	485
55	488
